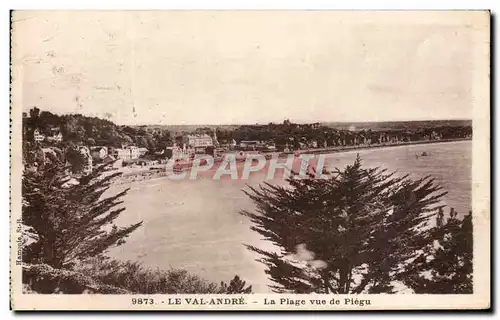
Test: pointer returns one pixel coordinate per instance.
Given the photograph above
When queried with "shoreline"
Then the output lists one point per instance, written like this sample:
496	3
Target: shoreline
373	146
147	174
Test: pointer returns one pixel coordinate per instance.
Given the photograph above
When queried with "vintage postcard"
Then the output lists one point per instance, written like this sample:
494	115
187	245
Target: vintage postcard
250	160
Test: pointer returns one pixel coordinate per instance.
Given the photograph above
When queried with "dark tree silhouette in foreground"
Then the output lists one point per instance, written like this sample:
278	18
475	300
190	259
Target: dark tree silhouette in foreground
359	231
449	268
69	224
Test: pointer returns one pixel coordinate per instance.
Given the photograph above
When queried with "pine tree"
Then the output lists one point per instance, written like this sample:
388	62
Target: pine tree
355	232
236	286
69	223
445	266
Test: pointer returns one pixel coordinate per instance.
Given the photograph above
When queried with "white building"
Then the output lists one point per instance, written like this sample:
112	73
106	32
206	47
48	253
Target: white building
436	136
183	153
200	140
134	152
56	135
271	146
312	144
250	144
37	136
119	153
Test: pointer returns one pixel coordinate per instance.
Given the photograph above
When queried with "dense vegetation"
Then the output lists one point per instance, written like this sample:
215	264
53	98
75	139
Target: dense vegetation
293	135
361	231
90	131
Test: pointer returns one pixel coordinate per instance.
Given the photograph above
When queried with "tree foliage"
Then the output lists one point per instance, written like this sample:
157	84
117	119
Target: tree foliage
135	278
293	134
445	266
236	286
356	232
69	223
75	159
80	129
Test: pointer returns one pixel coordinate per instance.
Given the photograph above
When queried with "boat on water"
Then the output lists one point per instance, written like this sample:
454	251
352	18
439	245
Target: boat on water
423	154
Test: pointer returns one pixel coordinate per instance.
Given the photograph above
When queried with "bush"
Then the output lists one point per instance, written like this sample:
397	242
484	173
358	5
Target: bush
133	277
42	278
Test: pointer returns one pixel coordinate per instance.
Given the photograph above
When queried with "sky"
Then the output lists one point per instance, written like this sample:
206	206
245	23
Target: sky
161	67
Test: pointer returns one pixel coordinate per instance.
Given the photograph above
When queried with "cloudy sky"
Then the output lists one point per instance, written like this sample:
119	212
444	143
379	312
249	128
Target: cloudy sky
248	67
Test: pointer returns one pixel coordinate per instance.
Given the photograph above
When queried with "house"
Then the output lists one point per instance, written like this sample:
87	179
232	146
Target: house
119	153
37	136
56	135
312	144
271	146
142	151
159	153
183	152
200	142
250	144
134	152
394	139
99	153
56	138
436	136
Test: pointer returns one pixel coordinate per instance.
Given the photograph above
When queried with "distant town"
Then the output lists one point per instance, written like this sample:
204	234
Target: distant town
101	142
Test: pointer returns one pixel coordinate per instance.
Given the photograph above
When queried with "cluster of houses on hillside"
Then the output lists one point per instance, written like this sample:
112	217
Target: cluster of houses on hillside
188	145
203	143
194	144
94	154
256	145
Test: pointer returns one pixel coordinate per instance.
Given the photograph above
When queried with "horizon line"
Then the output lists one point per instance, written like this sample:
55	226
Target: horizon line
250	123
294	122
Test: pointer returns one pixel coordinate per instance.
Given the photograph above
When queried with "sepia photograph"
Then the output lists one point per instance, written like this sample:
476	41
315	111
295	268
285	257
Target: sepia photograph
250	160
